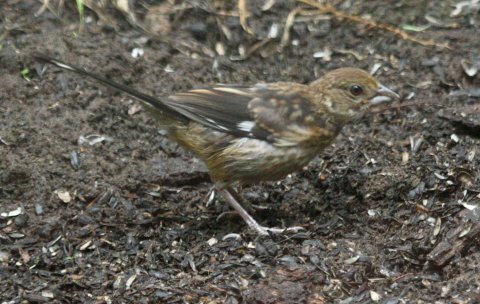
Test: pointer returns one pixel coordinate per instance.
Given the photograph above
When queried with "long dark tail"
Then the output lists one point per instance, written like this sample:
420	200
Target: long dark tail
151	102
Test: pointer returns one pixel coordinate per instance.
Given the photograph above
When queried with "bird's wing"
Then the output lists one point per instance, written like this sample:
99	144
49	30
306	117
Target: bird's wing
279	113
220	107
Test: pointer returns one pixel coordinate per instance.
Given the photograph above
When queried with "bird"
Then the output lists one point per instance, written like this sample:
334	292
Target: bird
246	134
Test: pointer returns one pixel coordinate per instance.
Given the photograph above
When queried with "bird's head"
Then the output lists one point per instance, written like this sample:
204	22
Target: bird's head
349	92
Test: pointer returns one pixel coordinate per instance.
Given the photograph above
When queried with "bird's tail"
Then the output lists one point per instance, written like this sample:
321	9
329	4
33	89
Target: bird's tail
153	104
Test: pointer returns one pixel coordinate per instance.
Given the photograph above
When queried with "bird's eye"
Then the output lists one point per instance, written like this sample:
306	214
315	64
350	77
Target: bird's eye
356	90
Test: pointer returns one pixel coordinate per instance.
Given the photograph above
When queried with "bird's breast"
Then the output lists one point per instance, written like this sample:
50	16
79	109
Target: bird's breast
248	160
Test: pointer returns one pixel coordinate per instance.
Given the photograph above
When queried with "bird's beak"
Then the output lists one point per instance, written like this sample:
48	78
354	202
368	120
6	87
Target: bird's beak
384	94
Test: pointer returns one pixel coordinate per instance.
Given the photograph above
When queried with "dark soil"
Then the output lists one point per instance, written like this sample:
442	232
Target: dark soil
390	210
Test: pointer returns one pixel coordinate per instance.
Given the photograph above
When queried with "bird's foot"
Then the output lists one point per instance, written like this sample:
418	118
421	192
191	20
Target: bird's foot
261	230
251	222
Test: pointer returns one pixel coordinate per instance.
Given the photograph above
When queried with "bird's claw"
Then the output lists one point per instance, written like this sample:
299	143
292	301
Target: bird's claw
261	230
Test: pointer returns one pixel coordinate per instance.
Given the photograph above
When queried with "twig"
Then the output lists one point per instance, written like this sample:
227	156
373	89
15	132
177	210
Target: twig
328	9
244	14
42	8
288	24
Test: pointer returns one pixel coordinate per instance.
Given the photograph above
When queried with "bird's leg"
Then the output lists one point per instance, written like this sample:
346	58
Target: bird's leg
232	197
245	204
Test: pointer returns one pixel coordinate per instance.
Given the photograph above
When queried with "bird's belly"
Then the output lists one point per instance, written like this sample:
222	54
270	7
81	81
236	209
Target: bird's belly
248	160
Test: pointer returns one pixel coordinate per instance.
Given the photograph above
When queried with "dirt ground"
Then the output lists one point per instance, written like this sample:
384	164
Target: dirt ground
97	206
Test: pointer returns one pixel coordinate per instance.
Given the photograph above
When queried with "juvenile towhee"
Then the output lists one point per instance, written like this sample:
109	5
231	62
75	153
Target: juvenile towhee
251	133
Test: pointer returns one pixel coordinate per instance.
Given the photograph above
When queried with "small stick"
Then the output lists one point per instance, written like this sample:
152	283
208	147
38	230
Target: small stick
328	9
